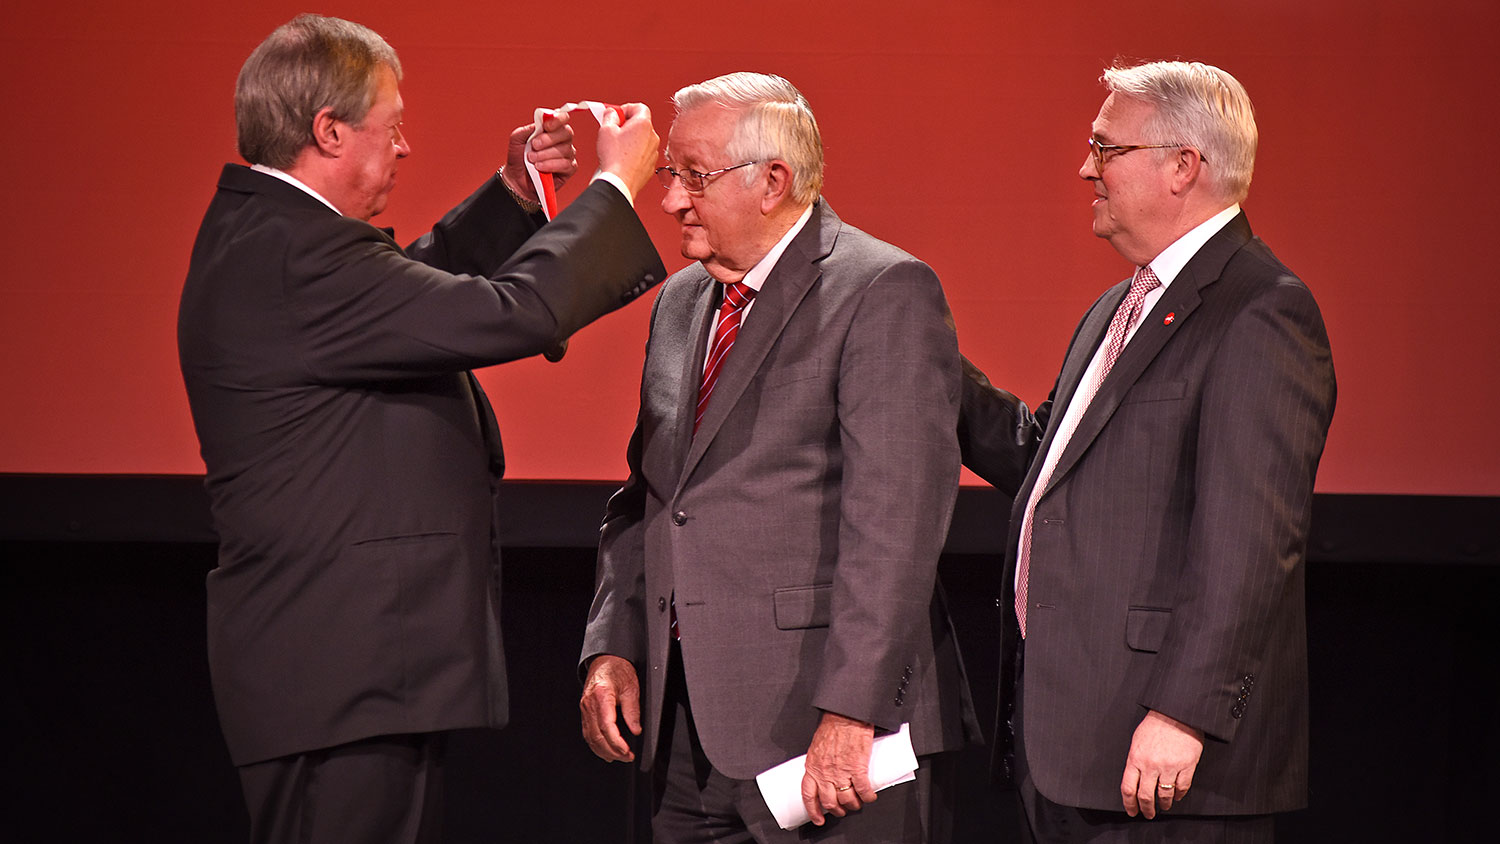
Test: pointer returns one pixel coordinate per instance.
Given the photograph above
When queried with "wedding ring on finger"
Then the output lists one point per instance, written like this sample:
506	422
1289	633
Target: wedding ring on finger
845	788
1165	786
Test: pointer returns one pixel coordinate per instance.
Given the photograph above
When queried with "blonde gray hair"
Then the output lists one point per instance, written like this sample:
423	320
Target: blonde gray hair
308	64
1200	106
776	122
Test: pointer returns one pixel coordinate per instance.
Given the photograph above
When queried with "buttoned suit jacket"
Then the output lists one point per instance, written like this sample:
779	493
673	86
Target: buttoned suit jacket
800	528
1167	555
353	463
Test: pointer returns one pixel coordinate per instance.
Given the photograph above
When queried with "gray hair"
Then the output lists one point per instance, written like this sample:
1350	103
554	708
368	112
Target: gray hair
1201	106
776	123
308	64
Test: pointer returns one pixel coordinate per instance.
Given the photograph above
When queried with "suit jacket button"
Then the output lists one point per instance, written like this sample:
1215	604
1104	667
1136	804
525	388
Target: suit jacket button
679	518
661	604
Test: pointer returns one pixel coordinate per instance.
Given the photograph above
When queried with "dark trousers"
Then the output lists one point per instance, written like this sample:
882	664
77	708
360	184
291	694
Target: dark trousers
1046	822
385	790
693	803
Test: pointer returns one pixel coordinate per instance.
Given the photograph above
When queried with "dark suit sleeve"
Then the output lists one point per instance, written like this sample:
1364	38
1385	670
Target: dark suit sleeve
368	312
478	235
617	617
898	395
997	433
1268	401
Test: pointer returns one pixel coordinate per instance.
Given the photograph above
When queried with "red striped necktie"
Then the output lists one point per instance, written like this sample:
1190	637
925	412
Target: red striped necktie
737	297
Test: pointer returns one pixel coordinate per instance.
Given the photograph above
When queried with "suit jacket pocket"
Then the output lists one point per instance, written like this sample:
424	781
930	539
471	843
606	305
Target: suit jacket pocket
1146	628
403	539
783	374
800	607
1155	391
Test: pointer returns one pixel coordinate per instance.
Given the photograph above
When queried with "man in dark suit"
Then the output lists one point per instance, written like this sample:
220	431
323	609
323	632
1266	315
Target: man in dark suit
1157	541
767	572
353	462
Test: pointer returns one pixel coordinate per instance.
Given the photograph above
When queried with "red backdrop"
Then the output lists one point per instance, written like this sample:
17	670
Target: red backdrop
954	129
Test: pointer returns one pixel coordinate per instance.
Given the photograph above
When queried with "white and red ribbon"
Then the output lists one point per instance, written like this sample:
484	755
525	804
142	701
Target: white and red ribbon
542	182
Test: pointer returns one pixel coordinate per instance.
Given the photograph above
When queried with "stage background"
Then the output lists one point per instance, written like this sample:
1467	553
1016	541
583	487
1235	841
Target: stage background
954	129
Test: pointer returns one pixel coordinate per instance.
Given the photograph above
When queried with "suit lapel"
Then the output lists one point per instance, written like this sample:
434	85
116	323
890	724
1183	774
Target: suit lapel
1182	297
707	295
1089	335
790	280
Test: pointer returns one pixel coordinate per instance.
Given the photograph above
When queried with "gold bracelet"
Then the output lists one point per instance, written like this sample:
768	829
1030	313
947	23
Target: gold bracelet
527	205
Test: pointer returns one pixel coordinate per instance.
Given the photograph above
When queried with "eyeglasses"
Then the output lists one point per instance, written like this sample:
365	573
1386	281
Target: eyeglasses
1099	150
692	180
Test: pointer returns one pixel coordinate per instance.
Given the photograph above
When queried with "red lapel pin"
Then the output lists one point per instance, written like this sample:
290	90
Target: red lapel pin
1171	316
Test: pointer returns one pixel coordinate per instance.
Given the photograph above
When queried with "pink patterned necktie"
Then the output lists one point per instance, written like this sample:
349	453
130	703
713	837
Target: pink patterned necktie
737	297
1125	318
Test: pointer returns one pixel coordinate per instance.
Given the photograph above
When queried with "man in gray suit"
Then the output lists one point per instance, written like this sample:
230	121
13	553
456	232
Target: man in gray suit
1155	563
768	570
353	462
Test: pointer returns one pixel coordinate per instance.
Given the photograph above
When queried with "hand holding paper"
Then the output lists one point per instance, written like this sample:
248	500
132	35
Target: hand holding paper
892	761
837	777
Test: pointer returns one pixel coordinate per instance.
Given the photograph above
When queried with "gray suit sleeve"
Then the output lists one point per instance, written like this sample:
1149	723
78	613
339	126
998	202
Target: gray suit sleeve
898	396
617	617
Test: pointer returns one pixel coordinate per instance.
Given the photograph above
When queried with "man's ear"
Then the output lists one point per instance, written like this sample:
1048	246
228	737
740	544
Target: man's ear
328	132
1188	168
777	184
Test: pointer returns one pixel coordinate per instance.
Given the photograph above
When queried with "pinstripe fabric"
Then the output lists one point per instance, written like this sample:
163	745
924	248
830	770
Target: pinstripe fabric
799	529
1125	318
1169	544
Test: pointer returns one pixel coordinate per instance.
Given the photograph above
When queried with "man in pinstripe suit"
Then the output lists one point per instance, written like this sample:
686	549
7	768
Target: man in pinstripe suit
1158	690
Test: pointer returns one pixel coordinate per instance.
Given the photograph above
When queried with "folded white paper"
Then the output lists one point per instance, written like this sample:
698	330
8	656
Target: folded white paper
892	761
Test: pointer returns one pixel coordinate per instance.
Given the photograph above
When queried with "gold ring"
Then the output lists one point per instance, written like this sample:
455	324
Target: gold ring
845	788
1164	787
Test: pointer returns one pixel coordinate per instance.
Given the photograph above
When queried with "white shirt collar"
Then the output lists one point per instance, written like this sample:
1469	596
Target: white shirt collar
294	182
1172	259
758	273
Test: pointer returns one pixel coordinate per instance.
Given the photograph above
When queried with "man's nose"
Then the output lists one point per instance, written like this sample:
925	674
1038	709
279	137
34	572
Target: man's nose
1090	168
677	198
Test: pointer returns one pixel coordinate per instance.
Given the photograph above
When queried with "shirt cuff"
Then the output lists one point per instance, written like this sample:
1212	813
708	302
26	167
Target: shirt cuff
618	182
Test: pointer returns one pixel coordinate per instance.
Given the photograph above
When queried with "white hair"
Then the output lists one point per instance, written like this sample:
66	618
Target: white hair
1197	105
776	122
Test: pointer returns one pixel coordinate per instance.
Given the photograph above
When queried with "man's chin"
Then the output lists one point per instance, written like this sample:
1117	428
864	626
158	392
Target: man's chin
693	250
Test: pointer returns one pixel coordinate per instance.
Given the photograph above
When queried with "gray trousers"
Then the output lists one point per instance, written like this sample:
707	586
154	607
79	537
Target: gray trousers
693	803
